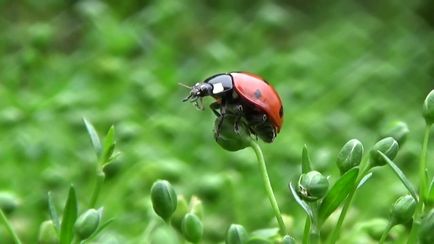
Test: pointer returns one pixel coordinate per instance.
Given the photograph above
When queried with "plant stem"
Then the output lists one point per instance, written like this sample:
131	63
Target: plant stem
9	227
336	231
306	238
315	231
267	184
422	187
386	232
100	176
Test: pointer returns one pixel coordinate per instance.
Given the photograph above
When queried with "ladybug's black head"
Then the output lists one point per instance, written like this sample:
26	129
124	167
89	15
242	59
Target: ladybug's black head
197	92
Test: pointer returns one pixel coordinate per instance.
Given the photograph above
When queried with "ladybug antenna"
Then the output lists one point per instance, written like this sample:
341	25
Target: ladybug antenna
184	85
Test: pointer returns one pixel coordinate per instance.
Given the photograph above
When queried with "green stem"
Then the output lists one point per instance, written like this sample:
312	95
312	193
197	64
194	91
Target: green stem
306	238
267	184
100	176
422	187
9	227
315	231
386	232
336	231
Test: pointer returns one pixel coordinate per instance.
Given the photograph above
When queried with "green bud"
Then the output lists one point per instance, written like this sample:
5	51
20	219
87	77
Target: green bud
426	234
87	223
288	240
312	186
164	199
428	108
8	202
398	130
196	206
403	210
226	136
192	228
47	233
180	212
350	155
388	146
236	234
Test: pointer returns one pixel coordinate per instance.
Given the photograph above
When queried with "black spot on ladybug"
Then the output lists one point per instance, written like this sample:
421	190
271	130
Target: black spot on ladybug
281	111
258	94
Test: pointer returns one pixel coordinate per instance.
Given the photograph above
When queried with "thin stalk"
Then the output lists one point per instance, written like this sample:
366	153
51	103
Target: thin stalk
100	176
386	232
9	227
422	187
315	231
267	184
336	231
306	238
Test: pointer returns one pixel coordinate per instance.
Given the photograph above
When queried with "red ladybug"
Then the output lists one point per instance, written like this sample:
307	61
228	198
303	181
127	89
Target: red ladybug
246	96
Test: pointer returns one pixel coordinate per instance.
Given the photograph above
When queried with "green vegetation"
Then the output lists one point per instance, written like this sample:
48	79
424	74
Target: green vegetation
344	70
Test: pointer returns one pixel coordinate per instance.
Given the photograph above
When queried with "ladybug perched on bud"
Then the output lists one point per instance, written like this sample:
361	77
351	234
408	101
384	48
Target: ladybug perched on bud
247	97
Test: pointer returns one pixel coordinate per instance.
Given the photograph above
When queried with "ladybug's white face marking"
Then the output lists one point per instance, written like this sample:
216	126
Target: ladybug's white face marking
218	87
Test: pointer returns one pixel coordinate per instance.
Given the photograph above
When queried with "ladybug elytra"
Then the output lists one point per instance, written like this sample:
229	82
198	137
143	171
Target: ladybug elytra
247	97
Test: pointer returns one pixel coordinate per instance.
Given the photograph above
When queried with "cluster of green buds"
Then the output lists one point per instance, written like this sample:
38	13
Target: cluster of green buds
184	217
312	186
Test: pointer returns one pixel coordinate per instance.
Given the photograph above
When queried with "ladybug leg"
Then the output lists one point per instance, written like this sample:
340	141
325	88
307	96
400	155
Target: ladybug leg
215	107
238	111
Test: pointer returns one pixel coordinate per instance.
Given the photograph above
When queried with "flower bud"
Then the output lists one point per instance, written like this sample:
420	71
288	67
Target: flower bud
287	239
236	234
388	146
398	130
426	234
312	186
230	133
428	108
164	200
87	223
403	210
8	202
181	210
192	228
350	155
47	233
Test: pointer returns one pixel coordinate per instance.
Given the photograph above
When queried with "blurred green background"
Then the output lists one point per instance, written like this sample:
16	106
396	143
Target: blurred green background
344	69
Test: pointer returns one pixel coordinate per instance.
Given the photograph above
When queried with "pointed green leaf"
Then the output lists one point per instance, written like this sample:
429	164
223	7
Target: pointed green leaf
101	228
430	194
305	161
109	145
364	180
401	176
300	202
93	137
53	213
69	217
337	194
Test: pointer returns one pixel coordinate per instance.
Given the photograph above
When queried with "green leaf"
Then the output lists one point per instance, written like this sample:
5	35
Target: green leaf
101	228
109	145
401	176
305	161
364	180
93	137
337	194
53	213
69	217
300	202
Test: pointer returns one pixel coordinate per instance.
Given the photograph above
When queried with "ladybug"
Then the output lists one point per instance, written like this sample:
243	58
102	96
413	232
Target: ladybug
247	97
